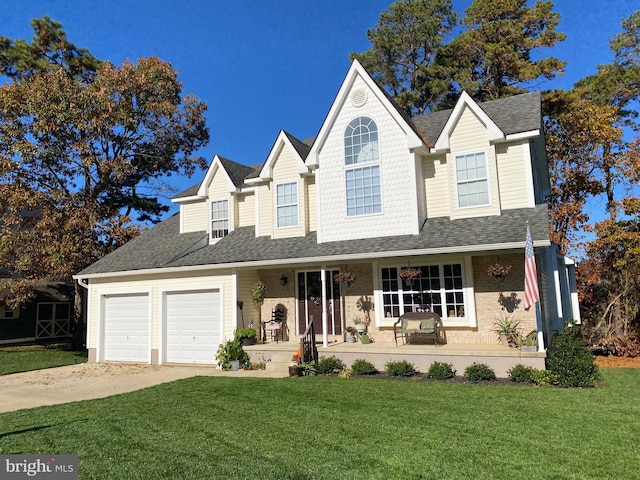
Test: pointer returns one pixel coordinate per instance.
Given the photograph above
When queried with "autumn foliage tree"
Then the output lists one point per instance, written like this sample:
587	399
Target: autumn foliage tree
84	150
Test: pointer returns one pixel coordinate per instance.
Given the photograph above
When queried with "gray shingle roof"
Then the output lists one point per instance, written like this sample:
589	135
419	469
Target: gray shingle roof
520	113
302	148
155	248
163	246
236	171
189	192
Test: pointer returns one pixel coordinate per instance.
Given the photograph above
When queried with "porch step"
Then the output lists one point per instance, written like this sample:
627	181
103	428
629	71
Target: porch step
280	362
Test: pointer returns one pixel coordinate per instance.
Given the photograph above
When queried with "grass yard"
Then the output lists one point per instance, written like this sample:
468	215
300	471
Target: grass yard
37	357
333	428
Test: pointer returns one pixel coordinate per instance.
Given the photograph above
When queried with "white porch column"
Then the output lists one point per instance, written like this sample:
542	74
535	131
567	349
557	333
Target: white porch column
325	320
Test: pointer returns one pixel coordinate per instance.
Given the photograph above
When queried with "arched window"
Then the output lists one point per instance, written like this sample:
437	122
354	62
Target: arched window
362	183
361	141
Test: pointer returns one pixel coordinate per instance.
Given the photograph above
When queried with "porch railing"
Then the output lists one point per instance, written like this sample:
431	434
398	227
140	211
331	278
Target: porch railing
308	349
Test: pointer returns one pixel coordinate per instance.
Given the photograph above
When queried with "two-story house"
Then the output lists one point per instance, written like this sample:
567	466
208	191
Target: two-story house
449	193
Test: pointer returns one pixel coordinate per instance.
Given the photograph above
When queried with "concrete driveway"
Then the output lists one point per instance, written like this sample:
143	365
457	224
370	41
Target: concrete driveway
87	381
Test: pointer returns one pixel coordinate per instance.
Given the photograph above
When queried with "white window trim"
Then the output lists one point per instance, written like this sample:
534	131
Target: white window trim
457	183
361	165
358	167
297	205
469	320
211	202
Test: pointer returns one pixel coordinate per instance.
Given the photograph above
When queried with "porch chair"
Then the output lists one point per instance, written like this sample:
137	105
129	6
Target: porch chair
426	324
276	326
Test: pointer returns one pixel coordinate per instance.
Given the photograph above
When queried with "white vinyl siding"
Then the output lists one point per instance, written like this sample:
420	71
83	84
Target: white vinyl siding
436	186
512	161
246	210
472	180
287	205
219	218
194	216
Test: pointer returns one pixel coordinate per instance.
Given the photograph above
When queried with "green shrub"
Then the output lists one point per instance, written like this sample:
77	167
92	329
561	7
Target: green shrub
521	373
571	363
232	350
363	367
327	365
309	369
543	378
441	371
401	368
245	333
479	371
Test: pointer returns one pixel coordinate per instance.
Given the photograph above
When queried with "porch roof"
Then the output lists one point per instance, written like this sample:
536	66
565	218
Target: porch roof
164	247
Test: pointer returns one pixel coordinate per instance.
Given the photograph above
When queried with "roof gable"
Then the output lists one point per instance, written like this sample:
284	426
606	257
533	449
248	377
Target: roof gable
234	173
513	115
285	139
356	71
493	131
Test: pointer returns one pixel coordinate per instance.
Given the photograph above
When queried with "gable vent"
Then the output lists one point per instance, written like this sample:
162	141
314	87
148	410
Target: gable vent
358	98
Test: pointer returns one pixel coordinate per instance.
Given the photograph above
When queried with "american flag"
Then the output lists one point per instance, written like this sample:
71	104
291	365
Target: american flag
531	294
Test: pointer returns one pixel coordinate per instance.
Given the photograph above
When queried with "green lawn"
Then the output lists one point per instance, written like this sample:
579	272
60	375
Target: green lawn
37	357
333	428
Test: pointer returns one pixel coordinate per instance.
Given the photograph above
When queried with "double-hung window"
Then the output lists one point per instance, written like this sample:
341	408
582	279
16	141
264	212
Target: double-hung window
287	204
439	288
219	218
472	180
362	172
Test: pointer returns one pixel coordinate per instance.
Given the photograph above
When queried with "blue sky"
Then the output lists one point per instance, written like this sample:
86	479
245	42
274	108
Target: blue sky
262	66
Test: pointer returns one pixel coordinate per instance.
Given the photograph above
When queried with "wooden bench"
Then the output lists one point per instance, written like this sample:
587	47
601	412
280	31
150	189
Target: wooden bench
427	324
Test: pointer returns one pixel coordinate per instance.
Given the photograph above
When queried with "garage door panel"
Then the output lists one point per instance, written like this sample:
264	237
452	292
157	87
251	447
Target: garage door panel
126	328
193	326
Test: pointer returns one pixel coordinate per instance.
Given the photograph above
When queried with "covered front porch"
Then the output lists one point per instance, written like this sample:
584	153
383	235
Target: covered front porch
498	357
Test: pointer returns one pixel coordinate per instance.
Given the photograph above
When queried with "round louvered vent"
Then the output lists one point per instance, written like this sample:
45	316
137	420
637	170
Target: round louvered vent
358	98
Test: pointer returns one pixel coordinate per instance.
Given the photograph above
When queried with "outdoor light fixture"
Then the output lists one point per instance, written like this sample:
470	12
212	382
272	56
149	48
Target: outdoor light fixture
284	280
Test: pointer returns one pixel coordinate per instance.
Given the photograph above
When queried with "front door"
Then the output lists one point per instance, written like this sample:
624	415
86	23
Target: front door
310	305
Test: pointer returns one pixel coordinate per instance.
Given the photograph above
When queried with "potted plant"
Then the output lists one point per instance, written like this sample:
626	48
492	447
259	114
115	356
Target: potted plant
409	274
506	328
359	325
498	271
295	368
231	354
528	343
350	334
346	276
258	292
247	336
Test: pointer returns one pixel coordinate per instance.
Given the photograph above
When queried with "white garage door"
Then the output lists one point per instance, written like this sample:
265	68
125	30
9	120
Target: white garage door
126	328
194	328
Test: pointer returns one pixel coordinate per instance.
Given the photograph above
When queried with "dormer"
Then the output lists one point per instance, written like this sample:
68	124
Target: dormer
285	190
218	204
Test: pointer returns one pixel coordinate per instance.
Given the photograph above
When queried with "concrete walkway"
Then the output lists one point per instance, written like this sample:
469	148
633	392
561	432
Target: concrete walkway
88	381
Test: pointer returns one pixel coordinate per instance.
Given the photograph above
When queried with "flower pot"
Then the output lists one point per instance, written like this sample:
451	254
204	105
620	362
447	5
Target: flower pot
504	339
361	327
248	341
364	338
234	365
351	339
295	370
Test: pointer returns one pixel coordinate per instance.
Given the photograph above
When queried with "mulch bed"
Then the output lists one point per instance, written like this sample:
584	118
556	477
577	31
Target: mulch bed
617	362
